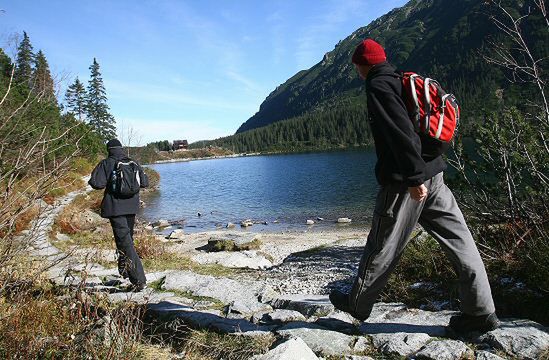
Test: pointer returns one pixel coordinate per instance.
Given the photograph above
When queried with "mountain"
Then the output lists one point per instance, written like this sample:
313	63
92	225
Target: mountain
436	37
324	106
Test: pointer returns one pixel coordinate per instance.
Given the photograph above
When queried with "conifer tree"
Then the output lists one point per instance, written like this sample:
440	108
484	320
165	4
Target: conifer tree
97	110
24	62
75	98
43	82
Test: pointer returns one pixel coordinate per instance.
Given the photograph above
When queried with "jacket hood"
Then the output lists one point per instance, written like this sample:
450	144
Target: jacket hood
117	153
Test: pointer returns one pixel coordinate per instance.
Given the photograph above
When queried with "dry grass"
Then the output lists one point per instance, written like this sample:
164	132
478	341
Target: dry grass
42	321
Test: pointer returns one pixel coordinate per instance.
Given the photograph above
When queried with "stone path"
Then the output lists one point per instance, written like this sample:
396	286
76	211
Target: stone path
306	325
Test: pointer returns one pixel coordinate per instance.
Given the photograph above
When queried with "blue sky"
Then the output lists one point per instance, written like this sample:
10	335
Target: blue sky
185	69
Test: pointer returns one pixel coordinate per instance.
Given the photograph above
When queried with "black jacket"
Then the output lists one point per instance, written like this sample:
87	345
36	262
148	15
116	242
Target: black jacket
112	205
398	146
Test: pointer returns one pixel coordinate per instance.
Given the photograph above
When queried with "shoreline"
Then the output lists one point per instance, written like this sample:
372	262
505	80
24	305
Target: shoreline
205	158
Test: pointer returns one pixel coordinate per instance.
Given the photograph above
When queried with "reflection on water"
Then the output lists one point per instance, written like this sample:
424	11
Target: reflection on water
286	188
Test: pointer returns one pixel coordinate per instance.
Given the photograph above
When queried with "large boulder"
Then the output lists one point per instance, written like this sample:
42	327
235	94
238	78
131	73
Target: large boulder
242	296
244	259
445	350
521	338
234	242
291	349
402	344
308	305
319	339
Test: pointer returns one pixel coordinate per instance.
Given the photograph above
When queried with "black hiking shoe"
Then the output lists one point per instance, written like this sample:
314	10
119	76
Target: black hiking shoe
464	323
341	301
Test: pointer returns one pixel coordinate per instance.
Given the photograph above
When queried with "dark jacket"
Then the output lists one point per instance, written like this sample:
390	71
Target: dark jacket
398	146
111	204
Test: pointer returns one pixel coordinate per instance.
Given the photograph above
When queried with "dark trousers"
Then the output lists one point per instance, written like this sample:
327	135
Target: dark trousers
129	264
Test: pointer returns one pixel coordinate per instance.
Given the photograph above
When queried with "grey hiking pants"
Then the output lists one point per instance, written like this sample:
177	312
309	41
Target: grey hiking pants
395	216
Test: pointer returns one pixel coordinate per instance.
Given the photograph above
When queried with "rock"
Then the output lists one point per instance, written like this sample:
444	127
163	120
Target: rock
161	224
230	225
62	237
402	344
246	223
87	220
244	259
319	339
234	242
445	350
357	357
343	220
149	228
280	316
486	355
339	321
143	297
397	318
178	234
294	348
242	295
169	311
320	219
522	338
362	345
308	305
310	222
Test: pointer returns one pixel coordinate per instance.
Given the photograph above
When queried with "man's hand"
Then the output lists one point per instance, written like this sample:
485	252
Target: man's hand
418	193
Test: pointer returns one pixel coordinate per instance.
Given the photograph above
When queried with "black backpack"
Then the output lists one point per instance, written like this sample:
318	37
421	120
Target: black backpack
125	179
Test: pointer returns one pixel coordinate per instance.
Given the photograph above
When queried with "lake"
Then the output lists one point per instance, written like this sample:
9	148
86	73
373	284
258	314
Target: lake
283	190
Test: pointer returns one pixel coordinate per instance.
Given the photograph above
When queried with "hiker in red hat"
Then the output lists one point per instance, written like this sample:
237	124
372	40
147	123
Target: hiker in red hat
412	191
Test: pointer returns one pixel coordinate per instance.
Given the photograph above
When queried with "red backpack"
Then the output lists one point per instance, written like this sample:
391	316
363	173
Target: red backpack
434	113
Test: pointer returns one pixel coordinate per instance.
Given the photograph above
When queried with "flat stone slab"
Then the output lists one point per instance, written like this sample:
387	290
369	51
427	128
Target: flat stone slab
397	318
319	339
521	338
281	316
248	259
213	320
486	355
242	296
308	305
143	297
445	350
339	321
294	348
402	344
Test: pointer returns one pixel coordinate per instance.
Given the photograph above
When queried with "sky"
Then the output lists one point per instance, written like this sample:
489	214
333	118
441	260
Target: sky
184	69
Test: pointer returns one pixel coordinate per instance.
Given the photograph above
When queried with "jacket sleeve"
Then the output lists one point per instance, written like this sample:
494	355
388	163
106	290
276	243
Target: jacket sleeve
144	178
391	117
98	179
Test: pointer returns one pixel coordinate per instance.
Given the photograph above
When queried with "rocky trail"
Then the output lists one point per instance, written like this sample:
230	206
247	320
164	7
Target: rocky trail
285	295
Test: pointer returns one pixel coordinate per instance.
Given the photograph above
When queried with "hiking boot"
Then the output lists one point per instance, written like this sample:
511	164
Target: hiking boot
464	323
341	301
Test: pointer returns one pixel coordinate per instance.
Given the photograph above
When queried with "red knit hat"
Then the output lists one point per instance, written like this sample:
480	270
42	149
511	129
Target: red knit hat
369	52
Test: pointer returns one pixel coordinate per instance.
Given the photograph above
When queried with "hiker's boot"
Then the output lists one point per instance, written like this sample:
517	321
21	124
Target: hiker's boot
464	323
341	301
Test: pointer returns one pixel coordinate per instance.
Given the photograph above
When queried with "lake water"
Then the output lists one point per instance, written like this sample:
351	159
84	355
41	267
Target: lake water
283	190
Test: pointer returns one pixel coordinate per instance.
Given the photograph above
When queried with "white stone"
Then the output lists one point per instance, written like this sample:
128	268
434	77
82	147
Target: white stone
310	222
292	349
249	259
402	344
319	339
308	305
445	350
523	338
343	220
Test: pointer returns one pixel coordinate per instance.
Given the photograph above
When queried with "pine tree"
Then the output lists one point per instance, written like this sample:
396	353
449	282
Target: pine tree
75	98
24	62
97	110
43	82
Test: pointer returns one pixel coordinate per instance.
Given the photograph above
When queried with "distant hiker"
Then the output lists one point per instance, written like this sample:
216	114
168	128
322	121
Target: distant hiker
412	191
121	177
